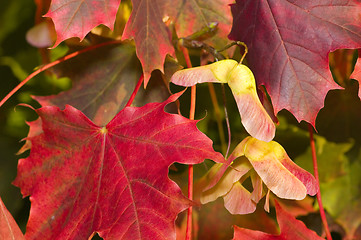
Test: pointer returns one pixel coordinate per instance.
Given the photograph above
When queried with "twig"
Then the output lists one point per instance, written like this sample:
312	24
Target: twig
315	172
140	81
227	120
190	168
217	113
52	64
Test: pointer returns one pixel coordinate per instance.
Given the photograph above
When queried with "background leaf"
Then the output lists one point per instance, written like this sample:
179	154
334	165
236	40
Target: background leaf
215	221
103	80
76	18
289	226
340	182
151	35
289	43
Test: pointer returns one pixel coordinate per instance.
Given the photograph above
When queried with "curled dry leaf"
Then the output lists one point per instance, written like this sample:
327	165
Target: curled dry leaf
240	79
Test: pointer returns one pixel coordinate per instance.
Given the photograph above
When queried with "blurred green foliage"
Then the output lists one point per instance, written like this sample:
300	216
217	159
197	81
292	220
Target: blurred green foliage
17	60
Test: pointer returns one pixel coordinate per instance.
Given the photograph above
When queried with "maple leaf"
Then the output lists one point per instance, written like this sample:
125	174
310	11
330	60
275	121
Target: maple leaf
8	227
76	18
290	227
113	180
103	80
151	35
289	43
240	79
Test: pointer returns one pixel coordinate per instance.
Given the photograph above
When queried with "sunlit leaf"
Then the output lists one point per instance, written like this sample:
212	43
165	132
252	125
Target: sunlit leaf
113	180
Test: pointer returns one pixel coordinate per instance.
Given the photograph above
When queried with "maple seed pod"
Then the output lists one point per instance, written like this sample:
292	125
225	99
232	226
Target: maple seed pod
240	79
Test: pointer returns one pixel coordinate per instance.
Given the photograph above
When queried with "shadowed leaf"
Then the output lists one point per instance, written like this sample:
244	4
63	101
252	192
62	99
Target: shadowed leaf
215	221
103	80
290	227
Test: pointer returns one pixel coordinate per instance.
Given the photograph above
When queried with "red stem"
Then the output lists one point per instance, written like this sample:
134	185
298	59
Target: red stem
40	11
190	168
190	209
140	81
52	64
315	170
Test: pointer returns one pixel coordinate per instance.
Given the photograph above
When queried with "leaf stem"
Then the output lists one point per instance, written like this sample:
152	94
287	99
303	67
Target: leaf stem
315	170
190	167
140	81
52	64
217	113
245	51
227	120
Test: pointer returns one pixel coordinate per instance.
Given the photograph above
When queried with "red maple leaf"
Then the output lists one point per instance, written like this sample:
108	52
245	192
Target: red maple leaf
151	35
8	227
289	43
113	180
291	228
76	18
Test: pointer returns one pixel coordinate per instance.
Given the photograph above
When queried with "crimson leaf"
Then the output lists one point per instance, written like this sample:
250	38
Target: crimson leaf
152	38
289	42
291	228
82	178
